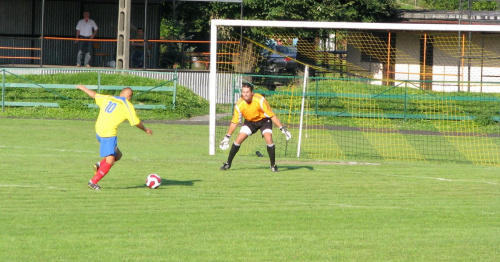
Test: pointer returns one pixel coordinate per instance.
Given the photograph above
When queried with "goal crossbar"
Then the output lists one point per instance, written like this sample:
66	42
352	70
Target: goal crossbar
358	25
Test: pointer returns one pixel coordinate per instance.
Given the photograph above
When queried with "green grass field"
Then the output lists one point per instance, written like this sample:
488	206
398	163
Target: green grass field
309	211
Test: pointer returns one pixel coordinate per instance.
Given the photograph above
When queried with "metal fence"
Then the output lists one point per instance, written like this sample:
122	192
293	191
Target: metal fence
196	81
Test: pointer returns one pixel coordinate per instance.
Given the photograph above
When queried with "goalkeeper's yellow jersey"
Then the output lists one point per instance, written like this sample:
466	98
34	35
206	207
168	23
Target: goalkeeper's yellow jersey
113	111
254	111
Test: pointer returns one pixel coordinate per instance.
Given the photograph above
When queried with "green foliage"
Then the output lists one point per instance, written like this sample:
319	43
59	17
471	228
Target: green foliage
173	54
410	4
304	10
442	4
485	120
455	5
87	78
181	20
189	104
315	10
485	6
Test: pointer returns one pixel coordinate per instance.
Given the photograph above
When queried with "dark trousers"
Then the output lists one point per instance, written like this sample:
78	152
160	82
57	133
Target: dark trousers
84	47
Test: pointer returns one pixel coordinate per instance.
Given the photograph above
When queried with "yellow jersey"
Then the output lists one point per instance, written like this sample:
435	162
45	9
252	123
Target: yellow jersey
254	111
113	111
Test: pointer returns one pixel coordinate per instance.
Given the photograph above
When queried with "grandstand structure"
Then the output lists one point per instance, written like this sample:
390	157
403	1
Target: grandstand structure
41	33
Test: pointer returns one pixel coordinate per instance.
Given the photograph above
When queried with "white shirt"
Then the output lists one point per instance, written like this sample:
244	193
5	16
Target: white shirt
86	27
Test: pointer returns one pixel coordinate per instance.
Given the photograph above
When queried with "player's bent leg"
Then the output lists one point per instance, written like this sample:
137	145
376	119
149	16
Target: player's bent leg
110	160
108	149
244	133
268	136
236	147
271	150
118	154
96	167
232	153
104	168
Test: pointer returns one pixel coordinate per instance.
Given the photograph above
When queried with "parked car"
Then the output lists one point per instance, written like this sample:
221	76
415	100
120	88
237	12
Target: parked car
280	60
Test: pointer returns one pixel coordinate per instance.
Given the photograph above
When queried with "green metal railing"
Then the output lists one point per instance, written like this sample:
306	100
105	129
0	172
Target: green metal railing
167	86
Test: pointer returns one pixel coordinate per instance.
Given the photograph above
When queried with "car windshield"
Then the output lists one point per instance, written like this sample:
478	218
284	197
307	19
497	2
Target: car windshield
285	49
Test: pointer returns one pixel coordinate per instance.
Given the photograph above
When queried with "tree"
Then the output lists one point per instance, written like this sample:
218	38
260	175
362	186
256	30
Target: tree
321	10
296	10
180	14
455	5
190	21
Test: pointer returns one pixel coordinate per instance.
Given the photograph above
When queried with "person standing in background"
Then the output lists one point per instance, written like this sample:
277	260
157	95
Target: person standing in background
87	29
138	49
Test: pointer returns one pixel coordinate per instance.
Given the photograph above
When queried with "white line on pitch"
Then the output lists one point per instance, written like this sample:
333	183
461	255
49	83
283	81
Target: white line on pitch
50	149
346	205
29	186
317	204
444	179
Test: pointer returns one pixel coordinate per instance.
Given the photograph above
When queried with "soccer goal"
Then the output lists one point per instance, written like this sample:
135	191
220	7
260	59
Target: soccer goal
362	91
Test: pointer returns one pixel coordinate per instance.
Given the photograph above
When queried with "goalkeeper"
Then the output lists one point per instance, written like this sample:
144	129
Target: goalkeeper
258	115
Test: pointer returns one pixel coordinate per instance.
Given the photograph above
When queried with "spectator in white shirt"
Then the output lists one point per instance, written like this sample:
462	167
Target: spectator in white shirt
86	28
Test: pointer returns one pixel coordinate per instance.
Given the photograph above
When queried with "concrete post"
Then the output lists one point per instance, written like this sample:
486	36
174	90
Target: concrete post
123	37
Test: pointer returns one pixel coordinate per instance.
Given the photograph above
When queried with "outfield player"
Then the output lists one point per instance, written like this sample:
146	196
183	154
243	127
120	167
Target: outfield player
258	115
113	111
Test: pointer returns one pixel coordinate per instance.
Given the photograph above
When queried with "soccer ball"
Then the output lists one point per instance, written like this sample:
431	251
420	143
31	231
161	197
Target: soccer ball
153	181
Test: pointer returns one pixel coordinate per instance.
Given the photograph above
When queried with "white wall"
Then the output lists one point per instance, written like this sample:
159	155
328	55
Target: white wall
484	74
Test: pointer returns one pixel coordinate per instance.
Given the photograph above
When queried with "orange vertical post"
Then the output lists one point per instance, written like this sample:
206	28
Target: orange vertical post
425	62
462	61
388	57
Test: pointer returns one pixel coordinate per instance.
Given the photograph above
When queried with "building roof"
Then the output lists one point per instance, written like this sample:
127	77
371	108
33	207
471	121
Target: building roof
437	16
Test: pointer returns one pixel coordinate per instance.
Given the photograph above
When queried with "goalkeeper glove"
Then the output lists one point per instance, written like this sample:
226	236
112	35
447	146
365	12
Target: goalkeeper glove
224	144
286	132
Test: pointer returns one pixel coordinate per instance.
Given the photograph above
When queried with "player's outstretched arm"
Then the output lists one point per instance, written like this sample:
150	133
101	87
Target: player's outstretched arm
282	128
276	121
145	129
224	144
86	90
285	131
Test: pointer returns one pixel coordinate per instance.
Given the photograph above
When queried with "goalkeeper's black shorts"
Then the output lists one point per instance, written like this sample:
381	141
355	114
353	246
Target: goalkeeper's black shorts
263	125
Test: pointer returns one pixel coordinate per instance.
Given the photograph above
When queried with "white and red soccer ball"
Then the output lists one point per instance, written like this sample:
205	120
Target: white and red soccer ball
153	181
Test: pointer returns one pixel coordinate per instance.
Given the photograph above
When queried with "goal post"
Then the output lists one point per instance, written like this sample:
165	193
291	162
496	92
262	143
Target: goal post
368	81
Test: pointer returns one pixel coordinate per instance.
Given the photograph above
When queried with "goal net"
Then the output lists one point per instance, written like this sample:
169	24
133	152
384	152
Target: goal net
363	91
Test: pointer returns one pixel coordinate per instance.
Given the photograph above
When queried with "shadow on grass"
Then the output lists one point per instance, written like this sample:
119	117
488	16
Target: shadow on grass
280	168
166	182
295	167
